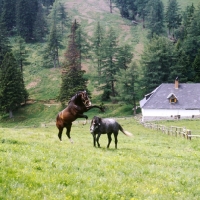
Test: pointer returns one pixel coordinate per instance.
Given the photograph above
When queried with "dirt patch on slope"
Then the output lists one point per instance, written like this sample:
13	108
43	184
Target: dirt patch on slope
33	84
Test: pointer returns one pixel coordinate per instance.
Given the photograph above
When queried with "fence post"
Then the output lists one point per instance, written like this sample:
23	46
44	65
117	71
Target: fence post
188	134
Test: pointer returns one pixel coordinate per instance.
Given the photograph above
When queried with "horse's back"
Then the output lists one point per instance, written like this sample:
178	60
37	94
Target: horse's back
109	125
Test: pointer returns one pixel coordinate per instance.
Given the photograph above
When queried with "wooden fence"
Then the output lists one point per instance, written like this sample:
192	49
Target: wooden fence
172	130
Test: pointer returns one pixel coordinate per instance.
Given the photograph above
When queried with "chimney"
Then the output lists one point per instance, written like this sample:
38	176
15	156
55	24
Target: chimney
176	83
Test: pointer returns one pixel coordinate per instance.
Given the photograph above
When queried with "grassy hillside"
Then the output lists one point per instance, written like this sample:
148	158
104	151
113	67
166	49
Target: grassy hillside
43	84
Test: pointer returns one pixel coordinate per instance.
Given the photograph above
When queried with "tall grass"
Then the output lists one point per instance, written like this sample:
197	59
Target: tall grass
150	165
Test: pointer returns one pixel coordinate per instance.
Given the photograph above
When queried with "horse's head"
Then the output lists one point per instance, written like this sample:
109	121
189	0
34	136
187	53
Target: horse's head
84	98
95	123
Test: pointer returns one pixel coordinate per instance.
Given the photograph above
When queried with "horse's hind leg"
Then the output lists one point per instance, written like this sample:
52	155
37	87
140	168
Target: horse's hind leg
68	126
109	139
60	134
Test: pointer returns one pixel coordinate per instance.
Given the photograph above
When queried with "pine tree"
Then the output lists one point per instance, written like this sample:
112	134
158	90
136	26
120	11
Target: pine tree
157	59
172	16
82	43
191	42
62	17
19	52
97	48
127	85
186	18
141	10
8	15
55	37
12	89
155	17
124	56
4	42
40	24
196	66
59	17
51	52
72	75
26	12
1	6
109	65
48	2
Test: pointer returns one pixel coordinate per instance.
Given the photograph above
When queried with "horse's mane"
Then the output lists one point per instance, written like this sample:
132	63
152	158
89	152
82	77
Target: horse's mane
74	97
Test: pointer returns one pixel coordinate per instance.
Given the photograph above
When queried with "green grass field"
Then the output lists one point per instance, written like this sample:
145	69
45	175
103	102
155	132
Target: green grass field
149	165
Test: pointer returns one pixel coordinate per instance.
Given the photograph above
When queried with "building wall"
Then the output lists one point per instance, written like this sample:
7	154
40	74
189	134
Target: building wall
167	114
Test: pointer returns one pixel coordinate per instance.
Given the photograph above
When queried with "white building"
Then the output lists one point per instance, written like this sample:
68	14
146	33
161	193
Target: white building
172	101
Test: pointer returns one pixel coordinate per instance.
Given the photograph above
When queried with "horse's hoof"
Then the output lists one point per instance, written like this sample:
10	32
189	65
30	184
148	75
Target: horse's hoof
71	141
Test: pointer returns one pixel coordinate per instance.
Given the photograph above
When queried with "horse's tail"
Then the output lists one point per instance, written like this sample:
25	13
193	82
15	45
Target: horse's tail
125	132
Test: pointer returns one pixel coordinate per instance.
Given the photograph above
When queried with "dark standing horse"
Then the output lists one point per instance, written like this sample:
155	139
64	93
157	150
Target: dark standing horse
106	125
78	104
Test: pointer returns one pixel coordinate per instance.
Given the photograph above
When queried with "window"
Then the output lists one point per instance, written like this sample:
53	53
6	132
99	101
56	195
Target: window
172	98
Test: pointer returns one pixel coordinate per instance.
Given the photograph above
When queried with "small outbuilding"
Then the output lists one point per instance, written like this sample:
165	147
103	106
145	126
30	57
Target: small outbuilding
172	101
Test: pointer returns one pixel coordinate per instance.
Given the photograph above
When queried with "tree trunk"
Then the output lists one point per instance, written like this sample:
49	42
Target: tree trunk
54	62
110	6
113	89
10	114
57	56
143	25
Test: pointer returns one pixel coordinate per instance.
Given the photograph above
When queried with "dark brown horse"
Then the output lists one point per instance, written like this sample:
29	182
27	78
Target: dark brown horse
78	104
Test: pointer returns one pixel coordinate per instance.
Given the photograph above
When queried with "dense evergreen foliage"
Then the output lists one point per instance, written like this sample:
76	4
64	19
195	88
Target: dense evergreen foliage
8	15
12	89
172	17
158	59
127	85
155	15
97	49
109	65
4	42
26	12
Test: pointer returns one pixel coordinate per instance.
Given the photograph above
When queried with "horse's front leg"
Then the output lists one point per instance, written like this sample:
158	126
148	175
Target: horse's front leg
83	116
94	139
99	134
68	127
91	107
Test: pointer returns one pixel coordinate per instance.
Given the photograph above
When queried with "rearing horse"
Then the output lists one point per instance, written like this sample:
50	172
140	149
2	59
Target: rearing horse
78	104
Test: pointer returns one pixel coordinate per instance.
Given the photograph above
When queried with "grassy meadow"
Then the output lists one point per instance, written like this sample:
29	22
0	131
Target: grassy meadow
149	165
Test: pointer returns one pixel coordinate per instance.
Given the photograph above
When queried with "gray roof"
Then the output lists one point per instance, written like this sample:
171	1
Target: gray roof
188	96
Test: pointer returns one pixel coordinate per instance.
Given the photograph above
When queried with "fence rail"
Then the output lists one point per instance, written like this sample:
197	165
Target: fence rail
172	130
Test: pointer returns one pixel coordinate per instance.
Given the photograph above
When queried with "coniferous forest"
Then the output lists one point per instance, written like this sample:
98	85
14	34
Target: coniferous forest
171	49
